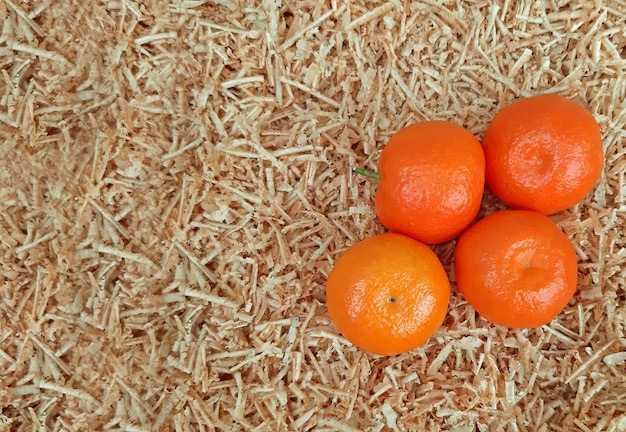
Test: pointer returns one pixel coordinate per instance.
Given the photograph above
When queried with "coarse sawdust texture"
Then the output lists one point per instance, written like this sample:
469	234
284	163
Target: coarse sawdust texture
175	185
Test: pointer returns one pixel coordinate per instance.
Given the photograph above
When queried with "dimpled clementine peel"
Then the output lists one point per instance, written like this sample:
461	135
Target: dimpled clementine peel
388	294
516	268
431	181
543	153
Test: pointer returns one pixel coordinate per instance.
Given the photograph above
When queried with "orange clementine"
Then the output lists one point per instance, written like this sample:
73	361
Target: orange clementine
432	176
543	153
516	268
388	294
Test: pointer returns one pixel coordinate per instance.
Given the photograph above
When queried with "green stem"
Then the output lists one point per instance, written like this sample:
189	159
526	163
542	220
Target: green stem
367	173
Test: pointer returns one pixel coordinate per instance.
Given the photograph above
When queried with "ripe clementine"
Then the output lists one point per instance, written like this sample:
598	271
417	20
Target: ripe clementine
432	176
543	153
516	268
388	294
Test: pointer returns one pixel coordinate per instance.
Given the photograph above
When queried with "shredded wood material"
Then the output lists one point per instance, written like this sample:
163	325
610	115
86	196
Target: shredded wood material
175	185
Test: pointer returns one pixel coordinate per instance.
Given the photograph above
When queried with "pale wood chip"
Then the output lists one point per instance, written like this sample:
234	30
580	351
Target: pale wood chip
176	185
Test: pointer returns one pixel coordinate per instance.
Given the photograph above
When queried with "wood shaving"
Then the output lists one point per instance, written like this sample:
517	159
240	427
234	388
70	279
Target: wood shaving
176	184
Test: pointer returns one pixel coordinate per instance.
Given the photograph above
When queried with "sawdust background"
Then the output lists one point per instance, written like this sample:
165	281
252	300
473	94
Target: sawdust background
175	185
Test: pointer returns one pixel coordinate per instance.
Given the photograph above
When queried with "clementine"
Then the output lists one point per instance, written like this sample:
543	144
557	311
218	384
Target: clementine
543	153
516	268
432	176
387	294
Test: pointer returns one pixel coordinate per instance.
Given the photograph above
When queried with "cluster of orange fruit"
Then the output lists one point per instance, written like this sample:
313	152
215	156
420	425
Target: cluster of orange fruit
540	155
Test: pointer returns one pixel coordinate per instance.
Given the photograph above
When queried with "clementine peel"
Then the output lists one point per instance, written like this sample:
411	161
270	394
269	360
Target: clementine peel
432	177
387	294
543	153
516	268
